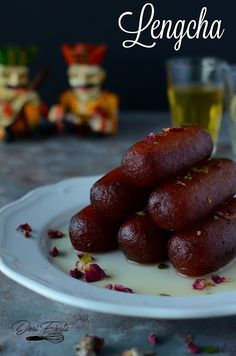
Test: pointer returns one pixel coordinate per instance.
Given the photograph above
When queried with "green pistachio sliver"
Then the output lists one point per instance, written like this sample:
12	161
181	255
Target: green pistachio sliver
200	170
140	213
210	349
162	266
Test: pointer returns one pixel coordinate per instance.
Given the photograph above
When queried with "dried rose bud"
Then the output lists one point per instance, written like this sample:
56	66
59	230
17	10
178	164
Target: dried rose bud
151	137
84	258
75	273
54	252
191	347
212	281
89	346
54	234
199	284
93	273
153	339
25	229
202	283
121	288
218	280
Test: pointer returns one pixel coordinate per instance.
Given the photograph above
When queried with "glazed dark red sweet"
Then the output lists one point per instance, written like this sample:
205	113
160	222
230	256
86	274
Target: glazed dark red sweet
92	232
181	203
115	196
207	247
141	241
166	155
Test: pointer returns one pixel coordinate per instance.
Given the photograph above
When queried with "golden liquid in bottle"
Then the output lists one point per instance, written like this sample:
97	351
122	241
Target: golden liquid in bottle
195	104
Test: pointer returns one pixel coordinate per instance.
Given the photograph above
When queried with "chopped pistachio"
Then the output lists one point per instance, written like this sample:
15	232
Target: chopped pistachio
86	258
200	170
140	213
209	200
210	349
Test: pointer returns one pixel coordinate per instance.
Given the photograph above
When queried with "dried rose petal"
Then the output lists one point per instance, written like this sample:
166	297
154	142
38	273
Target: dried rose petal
153	339
121	288
199	284
108	286
54	252
212	281
26	233
54	234
202	283
218	280
25	229
93	273
151	137
75	273
191	347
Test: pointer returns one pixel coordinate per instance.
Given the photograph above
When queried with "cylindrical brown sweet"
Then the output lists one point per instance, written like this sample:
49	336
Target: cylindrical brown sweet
164	156
116	197
207	247
92	232
179	204
141	241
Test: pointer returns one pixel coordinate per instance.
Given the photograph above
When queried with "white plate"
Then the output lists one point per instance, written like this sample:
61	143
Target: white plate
26	261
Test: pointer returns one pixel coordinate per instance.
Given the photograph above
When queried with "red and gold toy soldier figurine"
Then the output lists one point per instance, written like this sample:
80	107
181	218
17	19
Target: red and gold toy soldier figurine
86	107
20	105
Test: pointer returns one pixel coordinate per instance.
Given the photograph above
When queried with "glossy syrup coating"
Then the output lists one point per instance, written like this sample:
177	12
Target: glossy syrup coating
208	247
141	241
179	204
92	232
164	156
116	197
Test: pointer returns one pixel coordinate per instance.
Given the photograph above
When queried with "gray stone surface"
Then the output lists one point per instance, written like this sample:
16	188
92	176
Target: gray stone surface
27	165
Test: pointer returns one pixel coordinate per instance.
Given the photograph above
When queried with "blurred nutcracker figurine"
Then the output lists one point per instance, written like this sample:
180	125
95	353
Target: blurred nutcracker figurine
86	108
20	105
